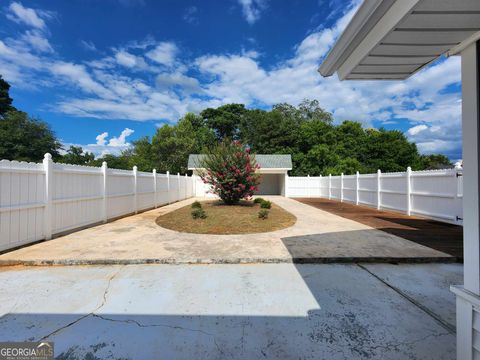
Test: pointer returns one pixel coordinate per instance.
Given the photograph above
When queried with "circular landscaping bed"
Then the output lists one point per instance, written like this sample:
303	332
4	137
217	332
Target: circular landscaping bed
243	218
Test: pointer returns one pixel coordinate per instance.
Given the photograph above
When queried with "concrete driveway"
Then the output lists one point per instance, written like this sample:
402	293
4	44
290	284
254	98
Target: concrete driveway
273	311
318	236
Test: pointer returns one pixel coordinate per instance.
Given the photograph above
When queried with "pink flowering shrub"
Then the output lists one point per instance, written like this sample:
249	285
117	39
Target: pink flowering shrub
230	171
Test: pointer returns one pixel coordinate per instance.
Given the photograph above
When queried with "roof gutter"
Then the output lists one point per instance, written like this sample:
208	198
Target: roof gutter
366	17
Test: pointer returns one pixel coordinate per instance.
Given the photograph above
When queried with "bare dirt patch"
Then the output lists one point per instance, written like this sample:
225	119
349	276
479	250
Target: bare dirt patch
227	219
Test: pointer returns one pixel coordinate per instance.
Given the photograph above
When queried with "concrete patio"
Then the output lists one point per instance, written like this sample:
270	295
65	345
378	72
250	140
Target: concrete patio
317	237
326	311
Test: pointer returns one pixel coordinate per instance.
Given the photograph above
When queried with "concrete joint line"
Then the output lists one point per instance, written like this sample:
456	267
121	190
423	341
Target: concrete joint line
450	328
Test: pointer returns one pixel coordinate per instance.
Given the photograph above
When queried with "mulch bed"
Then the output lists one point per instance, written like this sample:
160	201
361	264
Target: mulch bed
227	219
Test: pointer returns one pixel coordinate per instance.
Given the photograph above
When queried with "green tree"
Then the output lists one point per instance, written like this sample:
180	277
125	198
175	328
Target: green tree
122	161
5	99
26	139
76	156
224	120
432	162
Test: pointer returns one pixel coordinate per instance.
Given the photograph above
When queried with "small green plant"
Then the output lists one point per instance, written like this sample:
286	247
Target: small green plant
266	204
196	205
258	200
263	214
199	214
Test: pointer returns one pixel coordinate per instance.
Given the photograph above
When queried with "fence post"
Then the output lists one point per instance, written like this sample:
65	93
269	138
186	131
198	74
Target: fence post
168	187
409	191
104	191
341	187
308	185
320	186
329	186
357	182
178	186
379	175
135	178
154	173
48	168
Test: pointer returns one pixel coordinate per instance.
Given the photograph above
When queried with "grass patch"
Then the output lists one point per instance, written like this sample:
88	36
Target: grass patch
227	219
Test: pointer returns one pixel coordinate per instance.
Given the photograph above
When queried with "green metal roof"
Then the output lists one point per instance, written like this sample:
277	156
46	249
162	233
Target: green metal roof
265	161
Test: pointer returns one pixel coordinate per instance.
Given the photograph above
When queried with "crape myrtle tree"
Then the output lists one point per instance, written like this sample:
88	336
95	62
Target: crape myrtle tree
230	170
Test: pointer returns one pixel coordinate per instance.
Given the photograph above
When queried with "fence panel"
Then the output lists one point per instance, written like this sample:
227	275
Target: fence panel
77	196
367	189
349	188
336	190
440	198
393	191
22	203
435	194
162	189
145	191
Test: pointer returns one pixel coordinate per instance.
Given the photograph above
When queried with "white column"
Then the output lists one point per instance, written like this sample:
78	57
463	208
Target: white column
286	194
135	200
357	177
154	173
168	187
329	186
468	295
48	168
379	190
408	194
470	129
186	186
104	192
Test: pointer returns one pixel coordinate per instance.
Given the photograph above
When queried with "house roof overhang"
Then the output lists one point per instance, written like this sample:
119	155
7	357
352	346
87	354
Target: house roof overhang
393	39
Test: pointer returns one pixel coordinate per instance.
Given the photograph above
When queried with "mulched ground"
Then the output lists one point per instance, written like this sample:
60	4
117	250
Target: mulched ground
227	219
434	234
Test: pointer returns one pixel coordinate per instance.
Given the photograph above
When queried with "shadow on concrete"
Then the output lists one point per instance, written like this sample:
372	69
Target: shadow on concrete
333	312
440	236
359	246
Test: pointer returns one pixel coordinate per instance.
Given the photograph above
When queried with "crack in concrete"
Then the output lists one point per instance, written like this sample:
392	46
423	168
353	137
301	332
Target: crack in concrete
105	293
450	328
174	327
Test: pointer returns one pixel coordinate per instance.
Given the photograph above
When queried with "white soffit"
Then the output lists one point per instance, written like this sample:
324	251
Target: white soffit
408	35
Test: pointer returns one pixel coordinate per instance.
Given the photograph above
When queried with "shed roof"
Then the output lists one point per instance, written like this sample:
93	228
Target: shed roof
392	39
265	161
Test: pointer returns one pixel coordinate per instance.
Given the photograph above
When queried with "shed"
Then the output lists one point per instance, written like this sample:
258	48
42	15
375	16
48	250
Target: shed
393	39
273	168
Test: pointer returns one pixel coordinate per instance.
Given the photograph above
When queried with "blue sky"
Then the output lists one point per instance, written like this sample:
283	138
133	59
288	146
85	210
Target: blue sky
106	72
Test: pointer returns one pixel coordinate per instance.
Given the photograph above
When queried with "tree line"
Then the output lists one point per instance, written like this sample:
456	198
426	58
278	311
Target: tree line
306	131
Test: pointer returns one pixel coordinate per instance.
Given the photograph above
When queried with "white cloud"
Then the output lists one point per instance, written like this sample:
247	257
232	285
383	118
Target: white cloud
190	15
120	141
417	129
114	145
37	41
101	138
252	9
151	80
28	16
164	53
88	45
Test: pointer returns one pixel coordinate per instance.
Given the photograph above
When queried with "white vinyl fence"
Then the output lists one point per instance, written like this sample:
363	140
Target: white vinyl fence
41	200
435	194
